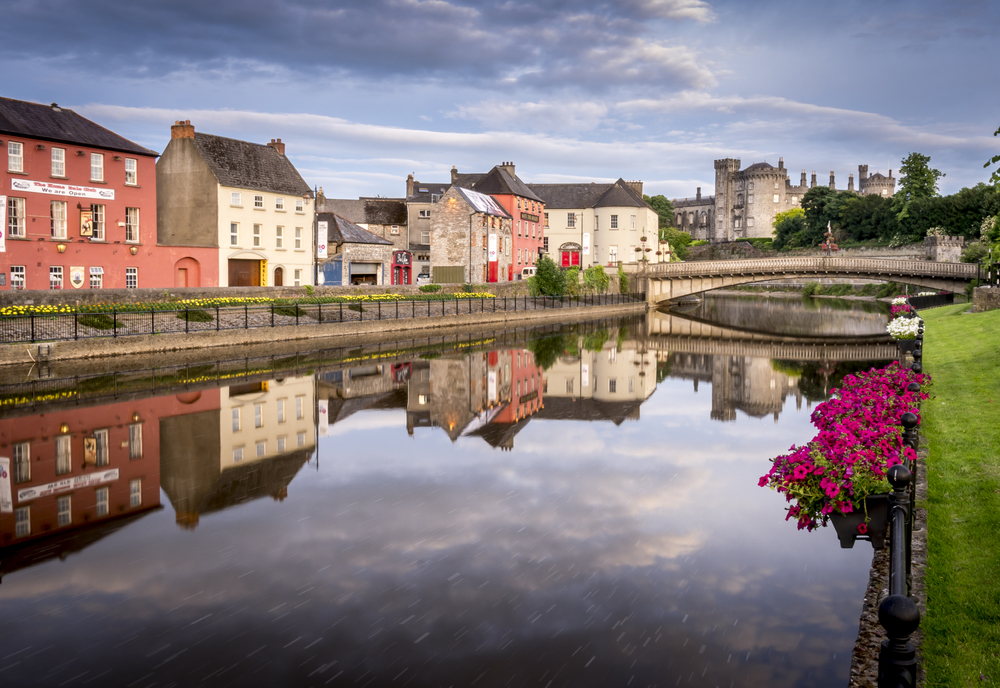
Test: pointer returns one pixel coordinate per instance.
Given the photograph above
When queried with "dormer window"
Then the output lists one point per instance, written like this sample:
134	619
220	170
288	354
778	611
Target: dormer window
423	190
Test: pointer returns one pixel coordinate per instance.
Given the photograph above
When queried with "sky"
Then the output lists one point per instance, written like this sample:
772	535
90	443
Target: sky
364	92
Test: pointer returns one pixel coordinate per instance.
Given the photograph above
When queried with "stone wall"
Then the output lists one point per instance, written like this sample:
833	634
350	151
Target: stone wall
985	299
451	244
944	249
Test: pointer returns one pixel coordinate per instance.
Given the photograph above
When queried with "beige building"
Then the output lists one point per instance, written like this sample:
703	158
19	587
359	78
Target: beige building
598	224
245	198
264	420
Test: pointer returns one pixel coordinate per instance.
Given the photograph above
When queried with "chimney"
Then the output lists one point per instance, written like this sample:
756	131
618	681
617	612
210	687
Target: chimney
812	181
277	145
409	185
803	182
890	173
850	182
781	163
635	186
320	198
454	174
697	194
509	167
182	129
833	184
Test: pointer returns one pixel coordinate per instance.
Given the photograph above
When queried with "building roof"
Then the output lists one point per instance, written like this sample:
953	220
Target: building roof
54	123
467	180
351	209
342	231
878	175
370	211
500	182
423	192
245	165
759	166
483	203
556	196
621	195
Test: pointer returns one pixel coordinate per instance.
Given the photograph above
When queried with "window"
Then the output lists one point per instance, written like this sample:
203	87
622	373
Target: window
21	457
235	198
132	225
425	237
96	279
614	222
279	203
749	222
298	238
775	198
279	237
633	222
258	415
57	212
258	202
424	214
261	448
102	501
65	510
131	171
135	492
570	220
281	410
299	207
237	454
300	407
17	277
281	445
736	223
394	229
519	228
569	385
55	277
15	217
795	199
101	453
750	187
131	278
631	384
58	162
234	233
518	256
546	219
96	167
135	441
15	156
750	198
300	439
236	419
613	254
23	519
97	226
256	236
885	192
297	281
776	185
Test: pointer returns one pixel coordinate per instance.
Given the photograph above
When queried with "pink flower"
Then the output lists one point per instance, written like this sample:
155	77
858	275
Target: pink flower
862	528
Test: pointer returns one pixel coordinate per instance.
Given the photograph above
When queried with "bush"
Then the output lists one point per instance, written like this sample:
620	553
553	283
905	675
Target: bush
356	307
309	290
195	316
290	311
549	279
810	289
99	321
430	288
572	281
467	288
969	287
974	252
596	279
595	340
622	280
533	289
698	242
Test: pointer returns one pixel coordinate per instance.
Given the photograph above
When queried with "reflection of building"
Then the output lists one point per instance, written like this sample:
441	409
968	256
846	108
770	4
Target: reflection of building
447	393
377	386
514	393
80	474
249	446
744	383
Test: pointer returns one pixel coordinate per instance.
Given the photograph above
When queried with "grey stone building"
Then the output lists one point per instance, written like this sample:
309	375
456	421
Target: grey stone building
383	217
746	201
469	233
356	256
420	200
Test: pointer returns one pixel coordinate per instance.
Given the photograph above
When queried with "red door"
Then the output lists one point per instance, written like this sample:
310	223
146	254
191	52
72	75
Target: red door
565	259
493	272
576	257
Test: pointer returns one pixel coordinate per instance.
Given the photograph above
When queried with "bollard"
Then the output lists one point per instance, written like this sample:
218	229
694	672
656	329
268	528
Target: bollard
897	659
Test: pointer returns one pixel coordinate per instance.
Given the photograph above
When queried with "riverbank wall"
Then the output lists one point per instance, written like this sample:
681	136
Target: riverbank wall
147	345
985	299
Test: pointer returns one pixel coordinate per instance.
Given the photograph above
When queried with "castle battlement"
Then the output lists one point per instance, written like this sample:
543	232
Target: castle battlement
944	249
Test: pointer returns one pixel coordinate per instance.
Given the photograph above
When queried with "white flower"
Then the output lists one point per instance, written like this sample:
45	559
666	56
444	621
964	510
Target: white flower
899	301
904	328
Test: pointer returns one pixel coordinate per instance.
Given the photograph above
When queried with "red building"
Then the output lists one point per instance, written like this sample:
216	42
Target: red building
79	206
526	382
524	206
75	469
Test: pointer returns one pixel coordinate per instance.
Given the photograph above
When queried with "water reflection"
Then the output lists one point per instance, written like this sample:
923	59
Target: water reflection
358	527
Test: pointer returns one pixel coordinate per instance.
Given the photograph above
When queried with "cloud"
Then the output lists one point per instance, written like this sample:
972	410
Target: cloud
507	115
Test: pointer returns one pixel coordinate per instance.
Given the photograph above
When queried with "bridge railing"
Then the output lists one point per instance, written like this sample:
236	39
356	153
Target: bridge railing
779	266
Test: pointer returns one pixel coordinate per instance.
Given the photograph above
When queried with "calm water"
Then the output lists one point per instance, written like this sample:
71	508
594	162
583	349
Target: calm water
578	511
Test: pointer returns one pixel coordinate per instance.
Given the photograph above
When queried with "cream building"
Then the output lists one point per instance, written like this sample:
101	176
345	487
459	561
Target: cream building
265	420
245	198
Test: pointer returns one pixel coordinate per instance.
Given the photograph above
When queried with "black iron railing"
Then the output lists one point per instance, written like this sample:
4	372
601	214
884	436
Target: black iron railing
42	327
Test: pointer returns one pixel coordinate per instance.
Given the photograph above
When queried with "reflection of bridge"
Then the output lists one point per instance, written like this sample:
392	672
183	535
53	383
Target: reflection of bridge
667	281
674	333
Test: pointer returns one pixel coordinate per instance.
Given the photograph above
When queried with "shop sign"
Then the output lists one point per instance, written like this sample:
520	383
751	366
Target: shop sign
86	223
6	503
66	485
529	217
323	407
584	375
493	248
321	239
30	186
402	258
586	243
3	215
76	275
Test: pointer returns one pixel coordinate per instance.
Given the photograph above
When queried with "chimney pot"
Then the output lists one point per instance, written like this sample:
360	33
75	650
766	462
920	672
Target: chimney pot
182	130
277	145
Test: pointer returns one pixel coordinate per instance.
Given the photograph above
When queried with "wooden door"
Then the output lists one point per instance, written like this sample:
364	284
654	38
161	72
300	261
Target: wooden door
182	277
279	277
244	273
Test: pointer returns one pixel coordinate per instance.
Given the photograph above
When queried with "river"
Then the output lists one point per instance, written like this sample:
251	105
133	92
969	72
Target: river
562	507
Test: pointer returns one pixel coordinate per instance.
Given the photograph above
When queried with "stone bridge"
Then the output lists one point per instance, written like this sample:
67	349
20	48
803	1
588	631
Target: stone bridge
670	281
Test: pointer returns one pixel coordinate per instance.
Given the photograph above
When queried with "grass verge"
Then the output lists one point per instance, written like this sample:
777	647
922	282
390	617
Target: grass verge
962	426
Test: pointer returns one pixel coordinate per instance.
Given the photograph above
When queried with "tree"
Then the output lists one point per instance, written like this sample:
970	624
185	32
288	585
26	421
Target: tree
596	279
917	180
995	177
678	240
549	279
663	207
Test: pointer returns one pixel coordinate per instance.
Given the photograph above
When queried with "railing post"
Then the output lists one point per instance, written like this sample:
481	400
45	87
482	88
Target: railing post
246	316
114	325
272	314
76	327
152	320
218	325
187	320
898	613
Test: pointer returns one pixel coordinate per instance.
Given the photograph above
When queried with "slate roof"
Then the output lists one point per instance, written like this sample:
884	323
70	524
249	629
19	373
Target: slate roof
467	180
53	123
759	166
246	165
352	210
342	231
621	195
483	203
878	175
499	181
385	211
434	188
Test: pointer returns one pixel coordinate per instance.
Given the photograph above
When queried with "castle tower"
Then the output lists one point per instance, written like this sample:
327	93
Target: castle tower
802	182
725	195
833	184
850	182
812	181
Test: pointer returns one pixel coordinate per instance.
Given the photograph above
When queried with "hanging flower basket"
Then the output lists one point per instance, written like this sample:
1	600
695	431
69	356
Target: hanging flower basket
851	527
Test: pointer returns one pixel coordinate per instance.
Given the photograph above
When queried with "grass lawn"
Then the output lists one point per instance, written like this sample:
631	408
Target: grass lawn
962	427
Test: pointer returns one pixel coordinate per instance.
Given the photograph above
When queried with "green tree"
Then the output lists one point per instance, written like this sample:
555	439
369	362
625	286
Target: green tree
596	279
790	231
995	177
917	180
622	280
547	350
678	240
549	279
663	207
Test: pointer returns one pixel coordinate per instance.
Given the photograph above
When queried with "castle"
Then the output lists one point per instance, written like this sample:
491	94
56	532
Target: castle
746	201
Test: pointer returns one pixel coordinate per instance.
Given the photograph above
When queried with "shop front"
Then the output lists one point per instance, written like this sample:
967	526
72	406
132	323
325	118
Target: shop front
365	273
402	267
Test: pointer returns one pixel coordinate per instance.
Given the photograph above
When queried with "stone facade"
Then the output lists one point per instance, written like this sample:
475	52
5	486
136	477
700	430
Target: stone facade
746	201
452	246
944	249
985	299
368	254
